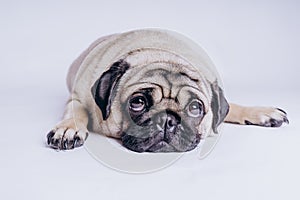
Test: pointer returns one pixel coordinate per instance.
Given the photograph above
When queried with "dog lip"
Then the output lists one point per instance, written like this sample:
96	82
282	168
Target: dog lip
195	142
136	144
157	146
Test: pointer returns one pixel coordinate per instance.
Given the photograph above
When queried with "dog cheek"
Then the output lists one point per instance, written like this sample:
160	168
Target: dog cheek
205	127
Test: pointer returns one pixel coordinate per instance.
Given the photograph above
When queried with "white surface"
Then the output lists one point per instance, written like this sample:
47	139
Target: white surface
255	46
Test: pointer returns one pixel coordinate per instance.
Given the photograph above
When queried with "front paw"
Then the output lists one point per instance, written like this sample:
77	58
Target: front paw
64	138
267	117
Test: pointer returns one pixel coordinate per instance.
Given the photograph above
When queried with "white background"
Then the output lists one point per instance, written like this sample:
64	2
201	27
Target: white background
255	46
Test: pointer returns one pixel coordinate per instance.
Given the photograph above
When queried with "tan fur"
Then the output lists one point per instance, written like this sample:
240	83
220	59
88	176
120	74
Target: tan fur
255	115
145	50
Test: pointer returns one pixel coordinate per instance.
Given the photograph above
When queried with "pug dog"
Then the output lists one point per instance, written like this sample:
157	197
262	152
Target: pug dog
154	90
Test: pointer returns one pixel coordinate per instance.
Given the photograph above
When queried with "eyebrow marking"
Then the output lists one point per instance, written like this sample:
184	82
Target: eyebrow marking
184	74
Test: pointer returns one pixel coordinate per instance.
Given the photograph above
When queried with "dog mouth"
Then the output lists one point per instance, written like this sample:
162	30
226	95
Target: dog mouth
161	146
141	142
159	143
164	146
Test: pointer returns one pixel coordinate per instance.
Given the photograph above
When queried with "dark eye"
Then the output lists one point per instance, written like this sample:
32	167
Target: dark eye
137	104
195	108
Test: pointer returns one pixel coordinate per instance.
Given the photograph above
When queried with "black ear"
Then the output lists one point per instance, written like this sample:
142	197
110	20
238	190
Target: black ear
103	88
219	106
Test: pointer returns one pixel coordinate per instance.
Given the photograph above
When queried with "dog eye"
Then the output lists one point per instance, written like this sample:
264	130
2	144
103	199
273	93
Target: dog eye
137	104
195	108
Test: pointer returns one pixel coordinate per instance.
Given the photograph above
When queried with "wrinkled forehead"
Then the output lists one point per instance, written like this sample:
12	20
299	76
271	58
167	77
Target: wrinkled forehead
165	70
168	80
167	75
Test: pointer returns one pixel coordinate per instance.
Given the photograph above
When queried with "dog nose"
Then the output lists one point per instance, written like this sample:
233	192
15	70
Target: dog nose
167	120
170	123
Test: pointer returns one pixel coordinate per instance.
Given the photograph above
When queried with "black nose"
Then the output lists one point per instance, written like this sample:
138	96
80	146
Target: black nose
168	121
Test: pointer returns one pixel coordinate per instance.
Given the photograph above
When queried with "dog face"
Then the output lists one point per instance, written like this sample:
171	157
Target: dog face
158	107
165	110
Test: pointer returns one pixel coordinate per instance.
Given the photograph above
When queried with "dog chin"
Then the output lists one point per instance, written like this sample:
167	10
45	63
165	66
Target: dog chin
156	143
161	146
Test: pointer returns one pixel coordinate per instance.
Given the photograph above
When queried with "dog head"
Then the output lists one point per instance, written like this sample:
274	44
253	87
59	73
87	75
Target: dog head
161	106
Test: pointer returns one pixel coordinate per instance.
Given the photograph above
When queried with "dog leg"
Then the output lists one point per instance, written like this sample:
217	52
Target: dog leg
260	116
72	131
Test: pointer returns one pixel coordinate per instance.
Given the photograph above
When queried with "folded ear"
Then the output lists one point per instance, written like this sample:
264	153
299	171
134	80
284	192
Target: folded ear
103	88
219	106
